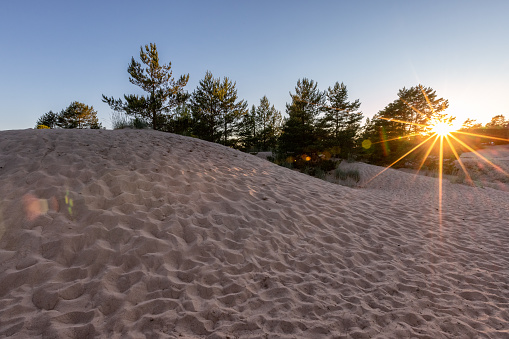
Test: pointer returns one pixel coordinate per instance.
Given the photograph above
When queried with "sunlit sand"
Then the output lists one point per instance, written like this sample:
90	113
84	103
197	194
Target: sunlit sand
129	234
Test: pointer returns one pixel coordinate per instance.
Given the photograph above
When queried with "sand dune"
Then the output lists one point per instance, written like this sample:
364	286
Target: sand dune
489	166
131	234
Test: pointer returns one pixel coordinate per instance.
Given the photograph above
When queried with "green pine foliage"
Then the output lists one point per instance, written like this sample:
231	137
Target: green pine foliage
248	131
206	119
47	119
268	124
320	126
298	133
216	110
341	122
76	115
164	93
398	128
415	106
231	109
260	128
181	122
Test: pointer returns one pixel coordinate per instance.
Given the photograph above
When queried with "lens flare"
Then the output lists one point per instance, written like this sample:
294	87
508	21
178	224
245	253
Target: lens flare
35	207
366	144
437	129
69	203
442	129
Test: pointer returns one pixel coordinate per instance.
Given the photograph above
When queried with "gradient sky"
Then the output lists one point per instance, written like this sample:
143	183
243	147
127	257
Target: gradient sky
56	52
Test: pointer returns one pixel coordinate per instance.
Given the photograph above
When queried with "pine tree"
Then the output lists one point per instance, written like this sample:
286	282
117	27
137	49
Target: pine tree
399	126
410	113
341	121
164	92
231	110
216	109
268	124
47	119
498	121
205	110
470	124
248	131
78	115
299	135
181	122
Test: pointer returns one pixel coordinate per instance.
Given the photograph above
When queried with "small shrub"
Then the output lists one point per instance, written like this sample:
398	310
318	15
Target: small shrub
340	174
42	127
327	165
354	174
351	158
307	170
120	121
286	164
139	123
320	173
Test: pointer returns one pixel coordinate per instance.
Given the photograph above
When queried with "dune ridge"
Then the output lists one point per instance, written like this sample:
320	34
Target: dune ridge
129	233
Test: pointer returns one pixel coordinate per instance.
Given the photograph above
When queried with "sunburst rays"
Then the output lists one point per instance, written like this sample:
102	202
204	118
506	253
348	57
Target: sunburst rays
436	130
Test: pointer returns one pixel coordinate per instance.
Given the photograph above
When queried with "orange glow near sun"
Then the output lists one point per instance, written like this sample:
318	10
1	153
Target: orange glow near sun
436	130
442	128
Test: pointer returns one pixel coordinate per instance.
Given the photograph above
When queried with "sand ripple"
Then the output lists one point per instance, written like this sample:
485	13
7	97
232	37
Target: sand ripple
129	234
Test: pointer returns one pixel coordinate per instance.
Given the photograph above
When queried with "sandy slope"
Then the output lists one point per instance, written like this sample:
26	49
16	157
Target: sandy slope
489	166
127	234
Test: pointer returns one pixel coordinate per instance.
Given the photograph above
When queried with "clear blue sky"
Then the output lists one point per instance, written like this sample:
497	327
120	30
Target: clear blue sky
55	52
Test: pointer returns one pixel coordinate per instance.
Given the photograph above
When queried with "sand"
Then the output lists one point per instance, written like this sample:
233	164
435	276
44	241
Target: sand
492	170
133	234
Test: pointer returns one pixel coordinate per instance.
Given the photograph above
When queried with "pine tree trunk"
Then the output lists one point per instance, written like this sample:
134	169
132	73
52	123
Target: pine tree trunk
225	131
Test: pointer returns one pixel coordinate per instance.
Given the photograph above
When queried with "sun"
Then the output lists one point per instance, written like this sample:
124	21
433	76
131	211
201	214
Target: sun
442	128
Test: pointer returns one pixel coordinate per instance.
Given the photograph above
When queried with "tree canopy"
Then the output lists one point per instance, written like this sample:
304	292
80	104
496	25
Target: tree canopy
76	115
298	135
48	120
216	109
341	121
269	121
394	130
412	110
260	128
164	92
498	121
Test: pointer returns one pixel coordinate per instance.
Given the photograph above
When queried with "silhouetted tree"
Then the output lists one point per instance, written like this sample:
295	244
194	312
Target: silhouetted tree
410	113
496	131
268	124
164	92
231	109
205	110
470	124
298	133
498	121
248	131
395	130
181	121
260	128
341	121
